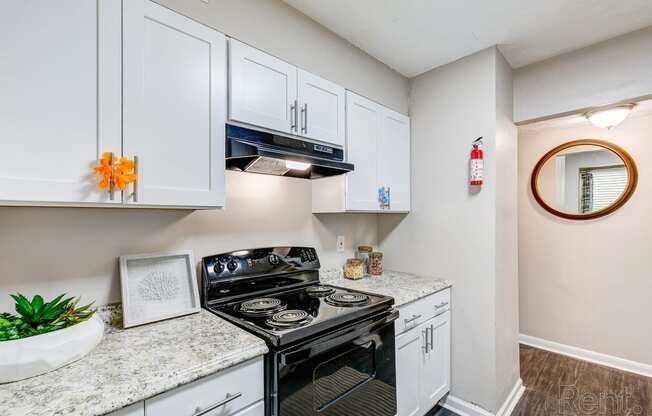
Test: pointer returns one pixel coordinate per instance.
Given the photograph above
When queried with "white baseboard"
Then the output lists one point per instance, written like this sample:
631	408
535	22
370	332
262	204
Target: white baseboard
464	408
586	355
512	400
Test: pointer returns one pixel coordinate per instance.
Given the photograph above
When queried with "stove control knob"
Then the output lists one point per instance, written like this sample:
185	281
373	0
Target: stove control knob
273	259
232	265
218	268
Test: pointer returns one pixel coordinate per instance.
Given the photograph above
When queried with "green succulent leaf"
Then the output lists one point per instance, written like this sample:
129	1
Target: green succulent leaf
37	317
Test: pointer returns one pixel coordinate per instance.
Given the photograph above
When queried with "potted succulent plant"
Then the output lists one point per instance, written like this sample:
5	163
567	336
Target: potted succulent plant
43	336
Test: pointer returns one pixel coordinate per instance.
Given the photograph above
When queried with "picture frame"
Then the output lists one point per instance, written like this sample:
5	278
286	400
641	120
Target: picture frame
158	286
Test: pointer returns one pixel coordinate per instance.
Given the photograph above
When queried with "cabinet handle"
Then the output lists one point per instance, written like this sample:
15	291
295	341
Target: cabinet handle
432	337
229	398
441	305
293	116
425	340
112	180
304	116
137	172
414	318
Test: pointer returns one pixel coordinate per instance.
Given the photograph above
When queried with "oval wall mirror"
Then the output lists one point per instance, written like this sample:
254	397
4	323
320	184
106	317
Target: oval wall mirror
584	179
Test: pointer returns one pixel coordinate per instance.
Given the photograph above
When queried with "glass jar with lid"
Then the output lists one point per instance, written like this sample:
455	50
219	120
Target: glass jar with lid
363	255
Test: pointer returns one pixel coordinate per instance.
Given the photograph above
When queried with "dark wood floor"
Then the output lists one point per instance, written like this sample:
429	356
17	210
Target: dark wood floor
557	385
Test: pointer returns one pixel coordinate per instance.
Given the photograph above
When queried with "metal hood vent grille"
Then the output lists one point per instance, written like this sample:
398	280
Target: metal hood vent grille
259	152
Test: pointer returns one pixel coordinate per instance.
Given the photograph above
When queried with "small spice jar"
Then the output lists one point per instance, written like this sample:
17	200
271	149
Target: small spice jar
376	263
363	254
354	269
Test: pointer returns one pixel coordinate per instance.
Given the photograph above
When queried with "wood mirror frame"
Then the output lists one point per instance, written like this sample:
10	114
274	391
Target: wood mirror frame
632	179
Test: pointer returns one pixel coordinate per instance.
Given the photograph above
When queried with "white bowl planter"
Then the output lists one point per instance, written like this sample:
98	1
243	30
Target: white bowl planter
29	357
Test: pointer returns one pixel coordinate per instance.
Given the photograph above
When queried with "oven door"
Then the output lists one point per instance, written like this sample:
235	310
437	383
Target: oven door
350	372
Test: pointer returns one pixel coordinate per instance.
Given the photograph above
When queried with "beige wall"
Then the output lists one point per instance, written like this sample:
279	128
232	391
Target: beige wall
452	230
74	250
587	284
608	72
507	326
50	250
280	30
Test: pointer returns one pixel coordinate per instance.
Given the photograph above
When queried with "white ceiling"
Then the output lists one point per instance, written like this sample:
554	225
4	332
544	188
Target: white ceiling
414	36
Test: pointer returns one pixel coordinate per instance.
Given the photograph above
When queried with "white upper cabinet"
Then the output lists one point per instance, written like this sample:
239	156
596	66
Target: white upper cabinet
363	131
60	99
267	92
378	145
321	109
394	159
263	89
174	107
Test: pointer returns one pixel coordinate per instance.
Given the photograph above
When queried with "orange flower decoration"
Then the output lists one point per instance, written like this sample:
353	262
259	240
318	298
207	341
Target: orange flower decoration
124	173
105	170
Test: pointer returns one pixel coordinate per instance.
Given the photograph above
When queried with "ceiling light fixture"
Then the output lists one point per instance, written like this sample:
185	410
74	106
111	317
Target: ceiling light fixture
607	118
291	164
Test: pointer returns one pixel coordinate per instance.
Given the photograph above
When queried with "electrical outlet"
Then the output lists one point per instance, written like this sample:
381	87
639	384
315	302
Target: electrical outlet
340	244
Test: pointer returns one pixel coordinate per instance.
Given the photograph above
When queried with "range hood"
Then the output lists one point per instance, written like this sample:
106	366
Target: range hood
272	154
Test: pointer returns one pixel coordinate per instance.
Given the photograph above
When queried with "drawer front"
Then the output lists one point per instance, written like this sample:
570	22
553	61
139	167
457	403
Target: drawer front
226	392
419	311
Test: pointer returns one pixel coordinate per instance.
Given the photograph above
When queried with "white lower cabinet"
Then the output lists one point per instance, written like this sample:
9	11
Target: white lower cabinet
423	354
236	391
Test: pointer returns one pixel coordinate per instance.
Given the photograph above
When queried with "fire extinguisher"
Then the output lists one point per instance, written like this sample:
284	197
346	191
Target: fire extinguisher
477	163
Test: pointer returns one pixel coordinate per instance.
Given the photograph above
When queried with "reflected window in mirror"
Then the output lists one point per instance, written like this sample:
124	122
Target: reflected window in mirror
584	179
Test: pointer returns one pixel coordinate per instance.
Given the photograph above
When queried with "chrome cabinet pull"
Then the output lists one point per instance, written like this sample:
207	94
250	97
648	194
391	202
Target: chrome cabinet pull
137	172
441	305
304	118
414	318
293	116
112	180
432	337
425	340
229	398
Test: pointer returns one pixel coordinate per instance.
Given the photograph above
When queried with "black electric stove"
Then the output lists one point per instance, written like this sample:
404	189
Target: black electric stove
319	336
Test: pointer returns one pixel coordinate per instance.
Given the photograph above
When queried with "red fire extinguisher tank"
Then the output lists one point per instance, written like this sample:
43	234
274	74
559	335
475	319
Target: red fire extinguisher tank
477	163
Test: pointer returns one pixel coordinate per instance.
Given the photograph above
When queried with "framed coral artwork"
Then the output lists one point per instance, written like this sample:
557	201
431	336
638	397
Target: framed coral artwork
157	287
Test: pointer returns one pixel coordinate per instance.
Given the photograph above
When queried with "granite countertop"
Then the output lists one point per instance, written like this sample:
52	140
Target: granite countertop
130	365
403	287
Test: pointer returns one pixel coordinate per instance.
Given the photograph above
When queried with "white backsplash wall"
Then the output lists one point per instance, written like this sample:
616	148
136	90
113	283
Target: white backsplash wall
74	250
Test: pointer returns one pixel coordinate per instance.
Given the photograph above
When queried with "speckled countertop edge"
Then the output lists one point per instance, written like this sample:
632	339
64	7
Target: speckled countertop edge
403	287
132	365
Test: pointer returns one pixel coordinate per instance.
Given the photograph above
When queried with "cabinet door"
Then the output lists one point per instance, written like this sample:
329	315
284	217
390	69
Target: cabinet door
262	89
257	409
60	99
362	130
137	409
435	380
321	109
174	107
394	159
409	347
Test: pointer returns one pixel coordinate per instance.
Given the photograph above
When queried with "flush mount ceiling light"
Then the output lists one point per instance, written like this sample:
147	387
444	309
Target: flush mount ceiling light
607	118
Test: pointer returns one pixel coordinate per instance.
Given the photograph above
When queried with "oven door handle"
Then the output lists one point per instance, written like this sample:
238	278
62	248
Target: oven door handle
306	352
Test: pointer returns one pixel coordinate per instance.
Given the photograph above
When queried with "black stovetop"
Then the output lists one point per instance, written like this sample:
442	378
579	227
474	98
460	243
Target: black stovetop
302	313
288	304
